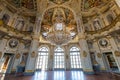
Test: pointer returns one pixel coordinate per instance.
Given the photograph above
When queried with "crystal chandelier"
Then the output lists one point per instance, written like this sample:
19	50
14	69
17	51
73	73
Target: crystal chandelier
59	33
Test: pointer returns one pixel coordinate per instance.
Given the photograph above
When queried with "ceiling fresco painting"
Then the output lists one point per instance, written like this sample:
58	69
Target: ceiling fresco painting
93	3
63	14
59	25
29	4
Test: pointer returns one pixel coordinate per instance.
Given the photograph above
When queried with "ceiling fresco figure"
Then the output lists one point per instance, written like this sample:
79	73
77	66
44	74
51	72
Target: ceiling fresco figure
93	3
29	4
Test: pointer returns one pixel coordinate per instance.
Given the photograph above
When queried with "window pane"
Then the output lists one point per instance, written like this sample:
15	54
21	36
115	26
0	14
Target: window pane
75	57
59	58
42	60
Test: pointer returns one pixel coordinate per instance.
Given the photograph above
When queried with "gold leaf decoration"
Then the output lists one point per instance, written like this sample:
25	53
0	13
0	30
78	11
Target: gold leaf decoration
99	55
17	56
33	54
1	22
0	54
117	53
85	54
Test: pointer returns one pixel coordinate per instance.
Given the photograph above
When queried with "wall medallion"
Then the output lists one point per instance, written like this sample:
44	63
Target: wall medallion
103	42
117	53
13	43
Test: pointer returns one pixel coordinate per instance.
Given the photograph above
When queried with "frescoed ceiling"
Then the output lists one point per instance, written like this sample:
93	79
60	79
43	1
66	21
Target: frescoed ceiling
88	4
29	4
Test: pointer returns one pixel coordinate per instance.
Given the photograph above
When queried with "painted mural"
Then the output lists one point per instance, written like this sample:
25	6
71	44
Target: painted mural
93	3
29	4
58	15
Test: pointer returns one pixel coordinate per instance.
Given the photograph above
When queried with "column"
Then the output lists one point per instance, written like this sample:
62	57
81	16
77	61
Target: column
37	28
98	56
85	55
51	58
31	62
67	58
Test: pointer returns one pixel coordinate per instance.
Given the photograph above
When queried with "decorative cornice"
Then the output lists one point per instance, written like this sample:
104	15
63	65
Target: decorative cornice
9	28
117	19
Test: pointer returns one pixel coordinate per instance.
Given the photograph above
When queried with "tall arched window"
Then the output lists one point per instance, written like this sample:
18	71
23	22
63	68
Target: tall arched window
59	58
75	58
42	60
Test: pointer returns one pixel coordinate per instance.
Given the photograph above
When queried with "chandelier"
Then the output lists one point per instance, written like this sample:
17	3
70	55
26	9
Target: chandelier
59	32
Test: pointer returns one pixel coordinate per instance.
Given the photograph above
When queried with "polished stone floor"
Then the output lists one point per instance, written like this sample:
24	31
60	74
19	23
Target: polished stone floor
59	75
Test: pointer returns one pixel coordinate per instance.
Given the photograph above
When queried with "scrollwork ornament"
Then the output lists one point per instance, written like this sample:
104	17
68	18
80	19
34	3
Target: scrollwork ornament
0	54
33	54
17	55
117	53
85	54
99	55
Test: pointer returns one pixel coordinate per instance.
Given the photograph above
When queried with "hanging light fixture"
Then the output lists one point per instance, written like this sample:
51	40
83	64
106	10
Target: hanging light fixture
59	33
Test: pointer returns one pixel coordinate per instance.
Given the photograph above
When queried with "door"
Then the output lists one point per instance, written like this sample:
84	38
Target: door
110	61
7	62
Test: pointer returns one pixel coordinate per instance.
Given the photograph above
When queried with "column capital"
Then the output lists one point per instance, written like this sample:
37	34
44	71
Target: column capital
35	37
82	36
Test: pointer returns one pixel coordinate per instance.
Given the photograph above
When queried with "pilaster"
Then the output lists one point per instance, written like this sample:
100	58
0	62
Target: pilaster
31	62
85	56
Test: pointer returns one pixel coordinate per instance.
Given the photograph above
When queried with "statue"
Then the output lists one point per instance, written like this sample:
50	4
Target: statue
97	25
19	24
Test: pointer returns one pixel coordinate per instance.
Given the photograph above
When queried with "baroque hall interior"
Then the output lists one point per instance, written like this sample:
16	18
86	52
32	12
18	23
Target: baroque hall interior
60	39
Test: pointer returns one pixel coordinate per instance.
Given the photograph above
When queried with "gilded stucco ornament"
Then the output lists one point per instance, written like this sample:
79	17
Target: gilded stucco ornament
0	54
1	22
117	53
33	54
99	55
85	54
17	55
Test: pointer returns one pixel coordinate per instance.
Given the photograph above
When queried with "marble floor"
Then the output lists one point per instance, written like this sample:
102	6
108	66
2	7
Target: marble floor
59	75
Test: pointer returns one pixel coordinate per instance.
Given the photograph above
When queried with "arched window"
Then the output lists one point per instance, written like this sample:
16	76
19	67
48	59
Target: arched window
59	58
75	58
42	60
